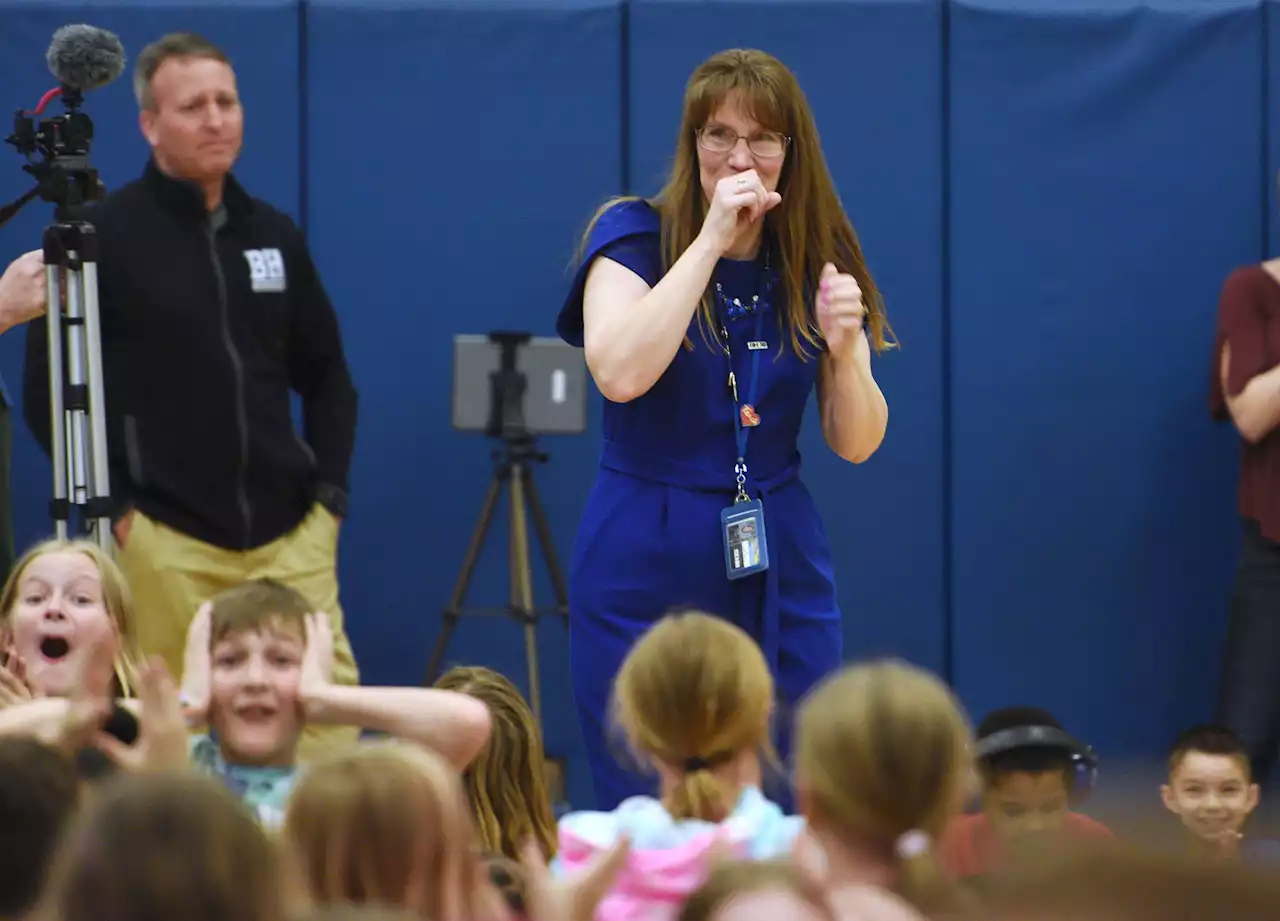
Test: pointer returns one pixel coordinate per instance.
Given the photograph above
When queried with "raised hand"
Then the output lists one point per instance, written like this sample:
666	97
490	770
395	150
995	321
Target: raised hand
839	309
15	686
739	202
90	700
162	728
575	898
22	290
197	667
316	672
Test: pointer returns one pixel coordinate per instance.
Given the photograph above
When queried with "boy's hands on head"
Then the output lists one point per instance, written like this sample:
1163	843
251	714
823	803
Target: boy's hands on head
162	726
316	673
197	667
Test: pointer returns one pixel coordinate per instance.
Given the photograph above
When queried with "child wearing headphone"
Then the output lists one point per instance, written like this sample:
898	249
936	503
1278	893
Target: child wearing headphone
1029	770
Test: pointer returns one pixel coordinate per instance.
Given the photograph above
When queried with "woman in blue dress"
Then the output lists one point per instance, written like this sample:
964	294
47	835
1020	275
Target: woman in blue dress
708	315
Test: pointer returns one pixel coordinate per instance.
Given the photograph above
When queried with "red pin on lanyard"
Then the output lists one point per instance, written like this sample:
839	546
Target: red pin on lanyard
749	415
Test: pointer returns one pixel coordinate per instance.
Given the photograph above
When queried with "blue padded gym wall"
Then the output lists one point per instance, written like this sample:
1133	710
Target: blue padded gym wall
261	36
455	152
871	70
1105	172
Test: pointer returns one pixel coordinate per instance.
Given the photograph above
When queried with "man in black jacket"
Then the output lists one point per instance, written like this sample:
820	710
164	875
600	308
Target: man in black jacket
212	312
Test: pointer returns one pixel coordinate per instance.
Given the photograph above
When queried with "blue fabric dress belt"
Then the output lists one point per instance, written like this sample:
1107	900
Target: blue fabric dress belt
669	471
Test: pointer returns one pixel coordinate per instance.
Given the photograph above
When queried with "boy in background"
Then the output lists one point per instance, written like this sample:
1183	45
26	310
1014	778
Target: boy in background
258	672
1029	783
1212	791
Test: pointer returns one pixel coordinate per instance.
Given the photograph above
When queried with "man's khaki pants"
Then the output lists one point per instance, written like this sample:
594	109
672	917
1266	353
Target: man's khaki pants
170	575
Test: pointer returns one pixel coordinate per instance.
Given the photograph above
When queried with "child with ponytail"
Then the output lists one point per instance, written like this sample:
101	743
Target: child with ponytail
882	765
694	700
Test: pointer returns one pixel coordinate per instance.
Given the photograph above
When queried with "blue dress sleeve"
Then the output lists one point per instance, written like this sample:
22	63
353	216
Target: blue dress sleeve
629	233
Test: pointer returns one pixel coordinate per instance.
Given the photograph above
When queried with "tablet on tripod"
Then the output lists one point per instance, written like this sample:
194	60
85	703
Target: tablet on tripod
547	394
514	388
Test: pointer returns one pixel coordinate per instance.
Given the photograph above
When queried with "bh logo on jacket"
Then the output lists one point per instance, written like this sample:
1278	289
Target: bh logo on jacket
266	270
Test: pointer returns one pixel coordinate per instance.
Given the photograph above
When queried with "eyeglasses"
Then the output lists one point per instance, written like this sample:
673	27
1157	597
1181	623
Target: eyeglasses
767	144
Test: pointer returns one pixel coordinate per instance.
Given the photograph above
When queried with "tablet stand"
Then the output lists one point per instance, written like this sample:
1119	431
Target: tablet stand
513	461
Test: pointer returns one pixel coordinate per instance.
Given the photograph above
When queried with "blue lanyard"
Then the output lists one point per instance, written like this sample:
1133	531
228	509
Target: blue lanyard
744	431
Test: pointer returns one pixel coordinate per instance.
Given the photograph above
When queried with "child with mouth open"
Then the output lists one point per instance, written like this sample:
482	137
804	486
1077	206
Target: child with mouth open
256	673
61	598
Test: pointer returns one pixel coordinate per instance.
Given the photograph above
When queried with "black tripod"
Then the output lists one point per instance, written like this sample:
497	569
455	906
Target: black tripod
513	462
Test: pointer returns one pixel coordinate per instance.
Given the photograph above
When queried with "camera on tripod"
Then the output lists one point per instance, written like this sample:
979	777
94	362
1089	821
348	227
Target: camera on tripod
61	143
56	148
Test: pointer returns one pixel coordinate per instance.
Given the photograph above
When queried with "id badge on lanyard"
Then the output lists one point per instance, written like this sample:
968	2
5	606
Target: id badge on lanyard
746	548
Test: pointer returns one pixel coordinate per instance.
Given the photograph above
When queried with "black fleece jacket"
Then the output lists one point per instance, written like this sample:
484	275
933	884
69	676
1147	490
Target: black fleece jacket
208	322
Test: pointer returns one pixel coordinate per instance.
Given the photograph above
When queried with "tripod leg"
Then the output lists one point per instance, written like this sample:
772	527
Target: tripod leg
78	431
98	502
558	584
450	618
522	584
60	506
77	393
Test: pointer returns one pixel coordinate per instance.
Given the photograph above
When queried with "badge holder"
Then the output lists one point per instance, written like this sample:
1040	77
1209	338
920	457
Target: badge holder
746	549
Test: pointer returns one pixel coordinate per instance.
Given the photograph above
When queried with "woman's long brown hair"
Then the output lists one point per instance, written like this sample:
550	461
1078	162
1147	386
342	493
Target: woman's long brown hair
810	227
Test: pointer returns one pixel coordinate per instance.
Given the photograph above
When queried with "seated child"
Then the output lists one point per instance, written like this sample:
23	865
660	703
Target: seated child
61	598
39	798
65	602
1211	790
694	698
1027	793
506	783
257	671
882	767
